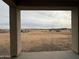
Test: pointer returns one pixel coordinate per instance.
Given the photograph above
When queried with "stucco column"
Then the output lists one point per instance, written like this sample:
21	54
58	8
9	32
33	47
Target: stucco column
15	40
75	30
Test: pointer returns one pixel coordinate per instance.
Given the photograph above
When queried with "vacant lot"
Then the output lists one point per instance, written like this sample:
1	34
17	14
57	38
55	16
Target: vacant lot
34	41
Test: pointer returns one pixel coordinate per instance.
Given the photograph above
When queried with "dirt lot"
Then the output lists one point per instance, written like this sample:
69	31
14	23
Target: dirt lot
35	41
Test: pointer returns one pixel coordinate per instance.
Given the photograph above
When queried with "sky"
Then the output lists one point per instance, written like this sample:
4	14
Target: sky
41	19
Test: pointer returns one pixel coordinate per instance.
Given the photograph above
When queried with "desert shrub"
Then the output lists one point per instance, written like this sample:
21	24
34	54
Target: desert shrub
57	30
50	30
24	30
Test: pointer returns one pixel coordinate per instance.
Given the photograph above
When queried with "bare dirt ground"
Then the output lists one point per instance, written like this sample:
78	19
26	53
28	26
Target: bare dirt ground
36	41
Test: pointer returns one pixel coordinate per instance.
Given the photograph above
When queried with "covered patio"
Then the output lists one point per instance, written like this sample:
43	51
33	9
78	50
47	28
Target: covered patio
15	42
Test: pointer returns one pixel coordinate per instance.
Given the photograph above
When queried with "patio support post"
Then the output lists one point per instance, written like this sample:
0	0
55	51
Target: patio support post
75	30
15	40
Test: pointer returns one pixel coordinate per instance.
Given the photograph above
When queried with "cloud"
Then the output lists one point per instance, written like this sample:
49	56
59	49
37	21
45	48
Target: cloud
51	19
4	10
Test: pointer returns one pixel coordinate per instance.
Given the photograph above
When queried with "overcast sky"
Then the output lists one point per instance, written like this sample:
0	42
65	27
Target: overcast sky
37	18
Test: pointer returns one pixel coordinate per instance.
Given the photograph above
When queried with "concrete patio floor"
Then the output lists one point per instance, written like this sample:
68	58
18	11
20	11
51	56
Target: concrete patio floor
48	55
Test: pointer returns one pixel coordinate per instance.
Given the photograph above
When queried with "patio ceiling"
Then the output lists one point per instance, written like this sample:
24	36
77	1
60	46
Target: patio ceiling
43	2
